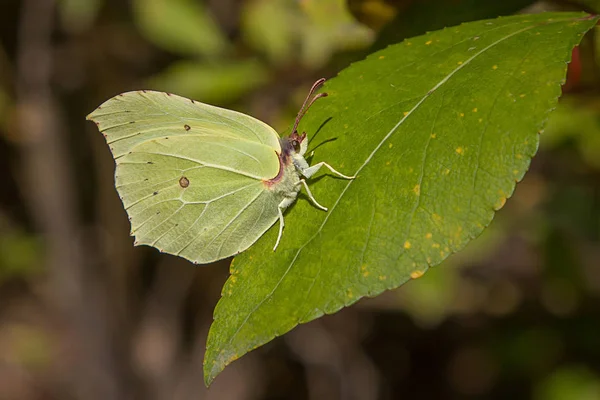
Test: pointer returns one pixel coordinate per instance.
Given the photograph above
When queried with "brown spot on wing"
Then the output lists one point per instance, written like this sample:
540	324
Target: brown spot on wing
184	182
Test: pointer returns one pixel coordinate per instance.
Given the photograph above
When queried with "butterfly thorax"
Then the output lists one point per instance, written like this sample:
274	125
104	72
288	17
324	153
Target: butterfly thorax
287	181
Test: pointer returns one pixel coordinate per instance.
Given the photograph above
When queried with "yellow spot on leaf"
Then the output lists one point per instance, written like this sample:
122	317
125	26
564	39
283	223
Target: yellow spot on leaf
345	126
408	43
417	189
475	109
462	114
521	95
480	119
433	135
501	202
232	359
460	150
405	113
233	279
429	235
446	171
388	162
428	42
407	245
349	293
416	274
390	145
459	63
382	277
381	57
435	245
523	72
519	156
495	67
363	268
436	217
516	171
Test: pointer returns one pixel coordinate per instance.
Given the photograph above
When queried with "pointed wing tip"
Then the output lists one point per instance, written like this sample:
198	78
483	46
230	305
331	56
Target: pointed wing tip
90	116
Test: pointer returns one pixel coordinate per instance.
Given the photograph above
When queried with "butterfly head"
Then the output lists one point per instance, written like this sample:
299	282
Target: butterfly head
296	144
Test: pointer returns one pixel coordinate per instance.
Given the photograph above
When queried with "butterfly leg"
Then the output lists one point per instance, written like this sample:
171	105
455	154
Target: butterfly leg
310	171
311	197
285	203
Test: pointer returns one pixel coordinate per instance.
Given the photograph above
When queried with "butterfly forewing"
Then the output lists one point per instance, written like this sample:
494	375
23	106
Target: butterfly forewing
191	175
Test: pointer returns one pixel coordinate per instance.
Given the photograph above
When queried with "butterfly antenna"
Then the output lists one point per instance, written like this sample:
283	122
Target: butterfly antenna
309	102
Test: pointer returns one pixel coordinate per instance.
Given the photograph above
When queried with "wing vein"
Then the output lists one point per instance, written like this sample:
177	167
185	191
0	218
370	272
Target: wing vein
221	167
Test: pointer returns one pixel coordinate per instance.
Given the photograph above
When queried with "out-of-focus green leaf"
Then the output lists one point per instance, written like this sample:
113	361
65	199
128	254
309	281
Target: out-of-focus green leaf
270	27
571	382
180	26
429	299
374	13
78	15
310	31
20	254
578	121
211	83
529	351
438	129
427	15
330	27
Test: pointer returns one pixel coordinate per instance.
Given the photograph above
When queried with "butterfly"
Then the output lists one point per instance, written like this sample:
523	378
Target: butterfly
199	181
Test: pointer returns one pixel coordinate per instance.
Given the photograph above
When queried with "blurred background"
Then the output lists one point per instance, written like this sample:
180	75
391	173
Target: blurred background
85	315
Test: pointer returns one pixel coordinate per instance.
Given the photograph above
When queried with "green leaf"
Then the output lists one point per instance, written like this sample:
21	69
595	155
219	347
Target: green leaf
439	129
182	26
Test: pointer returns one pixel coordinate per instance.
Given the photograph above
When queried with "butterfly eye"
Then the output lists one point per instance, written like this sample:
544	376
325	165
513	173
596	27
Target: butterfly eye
296	145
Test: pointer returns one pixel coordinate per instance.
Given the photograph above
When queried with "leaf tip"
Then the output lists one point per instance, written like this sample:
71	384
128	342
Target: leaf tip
212	367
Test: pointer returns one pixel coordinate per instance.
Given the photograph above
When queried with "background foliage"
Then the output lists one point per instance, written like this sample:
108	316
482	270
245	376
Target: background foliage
83	314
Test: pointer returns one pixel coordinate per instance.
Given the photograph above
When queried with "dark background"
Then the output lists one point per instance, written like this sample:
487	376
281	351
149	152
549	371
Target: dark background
85	315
